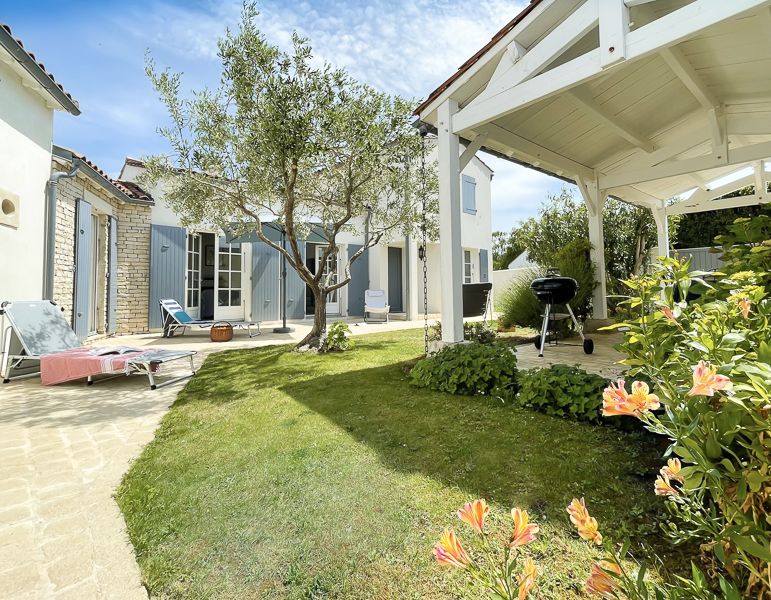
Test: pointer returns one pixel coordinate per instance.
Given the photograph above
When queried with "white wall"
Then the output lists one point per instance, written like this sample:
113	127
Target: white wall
504	278
26	135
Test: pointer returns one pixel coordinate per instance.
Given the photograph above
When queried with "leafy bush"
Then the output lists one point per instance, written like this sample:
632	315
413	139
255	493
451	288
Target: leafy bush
562	391
337	337
573	260
469	369
710	365
474	331
747	247
517	305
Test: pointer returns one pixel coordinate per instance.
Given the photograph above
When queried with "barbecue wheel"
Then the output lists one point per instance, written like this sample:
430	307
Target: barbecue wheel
588	346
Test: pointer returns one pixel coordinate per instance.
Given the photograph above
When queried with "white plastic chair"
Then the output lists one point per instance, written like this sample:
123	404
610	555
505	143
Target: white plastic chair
375	304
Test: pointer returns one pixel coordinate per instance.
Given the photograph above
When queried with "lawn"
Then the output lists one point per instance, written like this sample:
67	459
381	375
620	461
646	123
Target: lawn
285	475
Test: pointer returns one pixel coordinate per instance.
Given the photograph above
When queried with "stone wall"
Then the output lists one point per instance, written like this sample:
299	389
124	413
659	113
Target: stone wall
133	254
133	268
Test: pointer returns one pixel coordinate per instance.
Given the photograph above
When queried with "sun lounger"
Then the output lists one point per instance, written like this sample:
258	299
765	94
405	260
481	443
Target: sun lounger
375	304
36	338
174	318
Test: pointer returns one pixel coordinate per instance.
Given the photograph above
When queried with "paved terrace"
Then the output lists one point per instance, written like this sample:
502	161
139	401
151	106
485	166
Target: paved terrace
64	450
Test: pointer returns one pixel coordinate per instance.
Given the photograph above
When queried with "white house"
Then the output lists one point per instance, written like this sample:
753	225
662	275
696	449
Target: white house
215	278
29	95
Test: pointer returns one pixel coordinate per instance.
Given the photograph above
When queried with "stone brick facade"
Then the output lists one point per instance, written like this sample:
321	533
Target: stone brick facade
133	253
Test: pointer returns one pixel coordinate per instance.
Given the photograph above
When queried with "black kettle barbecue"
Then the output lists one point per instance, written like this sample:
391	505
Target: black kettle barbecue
554	290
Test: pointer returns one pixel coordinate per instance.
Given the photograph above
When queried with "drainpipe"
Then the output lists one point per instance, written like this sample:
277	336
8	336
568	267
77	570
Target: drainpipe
366	237
408	277
49	243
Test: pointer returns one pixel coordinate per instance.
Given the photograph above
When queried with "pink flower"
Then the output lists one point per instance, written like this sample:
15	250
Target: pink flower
669	314
474	513
706	381
616	400
524	531
449	551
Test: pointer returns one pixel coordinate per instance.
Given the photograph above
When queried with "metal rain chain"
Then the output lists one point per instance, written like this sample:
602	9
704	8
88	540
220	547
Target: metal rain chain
423	250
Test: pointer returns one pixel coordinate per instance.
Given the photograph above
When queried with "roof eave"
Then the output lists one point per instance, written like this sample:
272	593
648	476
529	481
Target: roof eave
10	45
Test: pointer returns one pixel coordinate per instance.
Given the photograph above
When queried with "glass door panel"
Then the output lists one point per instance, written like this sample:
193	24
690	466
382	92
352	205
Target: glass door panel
229	280
193	275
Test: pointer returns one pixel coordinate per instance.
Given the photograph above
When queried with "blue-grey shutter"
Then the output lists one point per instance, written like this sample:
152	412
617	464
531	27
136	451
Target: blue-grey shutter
295	290
266	282
83	259
469	194
112	277
484	275
359	281
168	251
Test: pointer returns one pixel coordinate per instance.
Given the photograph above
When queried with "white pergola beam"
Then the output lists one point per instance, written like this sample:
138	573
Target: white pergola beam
472	149
553	45
586	103
666	31
737	156
687	206
614	26
759	177
688	76
535	153
633	3
595	203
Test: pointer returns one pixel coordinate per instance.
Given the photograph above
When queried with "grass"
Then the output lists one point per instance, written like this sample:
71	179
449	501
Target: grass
285	475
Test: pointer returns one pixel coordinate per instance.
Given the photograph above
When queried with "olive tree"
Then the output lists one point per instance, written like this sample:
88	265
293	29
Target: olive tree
287	139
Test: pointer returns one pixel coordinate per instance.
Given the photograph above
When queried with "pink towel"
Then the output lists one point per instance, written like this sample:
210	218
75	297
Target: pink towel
80	363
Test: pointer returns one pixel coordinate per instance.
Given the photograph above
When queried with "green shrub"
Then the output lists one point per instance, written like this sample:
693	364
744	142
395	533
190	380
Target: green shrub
474	331
517	304
337	337
573	260
562	391
747	247
469	369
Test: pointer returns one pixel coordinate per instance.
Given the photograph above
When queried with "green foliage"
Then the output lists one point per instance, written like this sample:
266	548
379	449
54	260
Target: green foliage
721	437
697	230
747	246
337	337
518	306
469	369
562	391
507	247
572	260
473	331
290	139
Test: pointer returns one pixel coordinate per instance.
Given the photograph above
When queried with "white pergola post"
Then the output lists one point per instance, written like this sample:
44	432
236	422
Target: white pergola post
595	204
451	254
662	229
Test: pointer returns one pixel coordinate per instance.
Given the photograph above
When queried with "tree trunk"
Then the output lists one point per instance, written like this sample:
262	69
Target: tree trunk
313	339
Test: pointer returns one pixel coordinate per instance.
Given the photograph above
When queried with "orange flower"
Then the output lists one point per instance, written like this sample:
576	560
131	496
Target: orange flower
524	532
585	524
669	314
526	579
600	581
449	551
706	381
672	470
474	513
616	400
745	304
663	487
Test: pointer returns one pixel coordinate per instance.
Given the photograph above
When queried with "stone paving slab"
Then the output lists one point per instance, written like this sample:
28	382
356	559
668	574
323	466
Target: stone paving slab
64	450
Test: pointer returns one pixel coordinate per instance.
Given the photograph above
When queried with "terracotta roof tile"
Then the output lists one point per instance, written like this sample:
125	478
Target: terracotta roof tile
133	190
43	70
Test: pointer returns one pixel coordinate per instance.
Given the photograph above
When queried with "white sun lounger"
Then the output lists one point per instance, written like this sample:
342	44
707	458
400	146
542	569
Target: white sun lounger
36	329
375	304
174	317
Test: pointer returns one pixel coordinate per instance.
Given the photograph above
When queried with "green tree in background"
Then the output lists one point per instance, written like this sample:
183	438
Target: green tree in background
698	230
506	247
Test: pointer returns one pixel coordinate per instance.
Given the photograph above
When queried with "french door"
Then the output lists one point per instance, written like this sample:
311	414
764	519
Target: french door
331	274
193	277
230	263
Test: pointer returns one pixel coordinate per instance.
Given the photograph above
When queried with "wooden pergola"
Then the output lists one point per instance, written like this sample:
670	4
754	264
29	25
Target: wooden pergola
665	104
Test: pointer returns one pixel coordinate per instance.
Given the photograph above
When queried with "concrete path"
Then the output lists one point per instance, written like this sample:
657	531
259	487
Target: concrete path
64	450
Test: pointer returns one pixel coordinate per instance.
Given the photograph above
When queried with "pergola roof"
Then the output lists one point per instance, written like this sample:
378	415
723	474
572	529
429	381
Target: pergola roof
648	99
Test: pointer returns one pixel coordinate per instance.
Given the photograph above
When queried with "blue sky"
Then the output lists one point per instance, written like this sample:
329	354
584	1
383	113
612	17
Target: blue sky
96	50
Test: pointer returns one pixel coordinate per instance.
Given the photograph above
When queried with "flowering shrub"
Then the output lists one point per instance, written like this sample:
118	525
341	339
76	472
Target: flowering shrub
502	569
709	362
